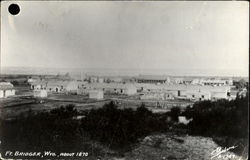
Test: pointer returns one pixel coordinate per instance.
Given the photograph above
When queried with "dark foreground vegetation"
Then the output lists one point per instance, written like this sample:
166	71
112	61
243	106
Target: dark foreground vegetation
120	127
60	130
225	121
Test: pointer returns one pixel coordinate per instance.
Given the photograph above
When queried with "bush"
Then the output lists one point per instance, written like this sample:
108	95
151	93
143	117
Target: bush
121	127
54	130
220	118
58	130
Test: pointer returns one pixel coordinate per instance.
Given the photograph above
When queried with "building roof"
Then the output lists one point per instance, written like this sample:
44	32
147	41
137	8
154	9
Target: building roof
213	81
39	82
6	85
96	91
182	87
56	83
111	85
152	77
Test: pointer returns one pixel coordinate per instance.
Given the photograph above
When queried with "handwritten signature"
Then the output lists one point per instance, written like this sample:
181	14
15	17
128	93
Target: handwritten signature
222	153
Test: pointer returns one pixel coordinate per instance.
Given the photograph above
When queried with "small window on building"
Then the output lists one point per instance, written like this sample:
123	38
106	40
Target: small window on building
193	96
202	96
179	93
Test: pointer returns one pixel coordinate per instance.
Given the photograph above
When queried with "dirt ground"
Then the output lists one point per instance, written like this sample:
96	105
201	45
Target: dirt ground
172	147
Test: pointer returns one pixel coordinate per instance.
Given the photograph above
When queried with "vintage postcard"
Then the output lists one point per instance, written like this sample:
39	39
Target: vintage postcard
124	80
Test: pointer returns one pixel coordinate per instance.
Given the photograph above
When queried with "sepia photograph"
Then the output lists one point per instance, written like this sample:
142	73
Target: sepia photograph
124	80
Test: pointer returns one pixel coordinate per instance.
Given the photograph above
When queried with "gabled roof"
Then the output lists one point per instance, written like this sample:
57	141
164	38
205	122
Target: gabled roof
175	87
39	82
213	81
110	85
152	77
55	83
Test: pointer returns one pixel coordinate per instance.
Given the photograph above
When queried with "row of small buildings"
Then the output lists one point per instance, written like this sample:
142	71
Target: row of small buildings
42	87
176	80
147	87
161	92
159	79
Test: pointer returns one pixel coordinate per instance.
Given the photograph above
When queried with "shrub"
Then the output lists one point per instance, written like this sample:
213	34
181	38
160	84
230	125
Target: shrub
121	127
219	118
54	130
58	130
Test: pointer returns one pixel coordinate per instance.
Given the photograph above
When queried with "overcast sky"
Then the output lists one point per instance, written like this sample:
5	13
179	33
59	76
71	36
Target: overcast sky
143	35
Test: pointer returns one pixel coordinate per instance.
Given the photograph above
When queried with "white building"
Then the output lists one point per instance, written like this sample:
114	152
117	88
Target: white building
93	79
229	81
198	95
157	96
96	94
118	88
214	82
31	80
38	85
197	81
154	79
6	89
215	95
100	80
40	93
57	86
194	92
178	80
73	86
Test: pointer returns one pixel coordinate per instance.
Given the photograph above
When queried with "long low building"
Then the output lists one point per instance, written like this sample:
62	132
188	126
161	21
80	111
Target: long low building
57	86
119	88
213	82
96	94
40	93
195	92
152	79
157	96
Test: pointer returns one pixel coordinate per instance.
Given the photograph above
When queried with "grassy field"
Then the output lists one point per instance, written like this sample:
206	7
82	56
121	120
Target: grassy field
23	102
